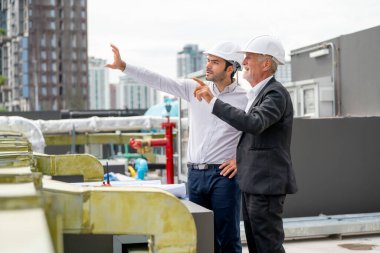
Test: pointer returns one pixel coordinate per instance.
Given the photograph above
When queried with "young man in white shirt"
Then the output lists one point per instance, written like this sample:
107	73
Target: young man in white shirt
212	143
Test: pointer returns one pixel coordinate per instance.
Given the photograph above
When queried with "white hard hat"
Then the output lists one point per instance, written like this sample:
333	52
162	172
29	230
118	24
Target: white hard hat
228	51
268	45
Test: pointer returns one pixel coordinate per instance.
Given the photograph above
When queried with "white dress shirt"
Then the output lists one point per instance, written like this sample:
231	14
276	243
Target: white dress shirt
254	92
211	140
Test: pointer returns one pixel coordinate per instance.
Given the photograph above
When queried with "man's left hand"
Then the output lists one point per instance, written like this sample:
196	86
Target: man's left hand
202	91
228	168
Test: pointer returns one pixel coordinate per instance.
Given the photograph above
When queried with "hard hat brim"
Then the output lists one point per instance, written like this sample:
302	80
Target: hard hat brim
243	52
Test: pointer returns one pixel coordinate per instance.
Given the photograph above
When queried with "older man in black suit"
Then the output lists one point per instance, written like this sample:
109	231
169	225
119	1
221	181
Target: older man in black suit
263	154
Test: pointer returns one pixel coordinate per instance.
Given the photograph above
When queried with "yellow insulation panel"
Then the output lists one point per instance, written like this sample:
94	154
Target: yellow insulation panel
126	210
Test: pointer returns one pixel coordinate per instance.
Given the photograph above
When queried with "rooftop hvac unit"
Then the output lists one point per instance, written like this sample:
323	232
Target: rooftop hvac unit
312	98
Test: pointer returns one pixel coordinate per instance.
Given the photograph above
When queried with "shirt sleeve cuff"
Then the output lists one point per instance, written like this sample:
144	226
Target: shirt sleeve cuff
126	69
130	69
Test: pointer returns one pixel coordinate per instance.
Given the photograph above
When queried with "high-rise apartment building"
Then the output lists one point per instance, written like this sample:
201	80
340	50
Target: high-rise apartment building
44	54
134	95
98	84
190	60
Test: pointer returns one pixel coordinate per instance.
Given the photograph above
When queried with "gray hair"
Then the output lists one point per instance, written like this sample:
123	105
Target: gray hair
274	62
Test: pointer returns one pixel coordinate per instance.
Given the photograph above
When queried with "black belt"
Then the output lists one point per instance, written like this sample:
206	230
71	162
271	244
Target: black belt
201	166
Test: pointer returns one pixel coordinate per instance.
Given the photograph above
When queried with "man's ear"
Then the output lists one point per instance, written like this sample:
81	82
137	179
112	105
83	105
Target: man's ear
267	65
230	69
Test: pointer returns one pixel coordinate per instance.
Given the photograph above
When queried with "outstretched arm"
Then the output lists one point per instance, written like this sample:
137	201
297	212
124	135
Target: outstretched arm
270	110
263	116
118	63
178	88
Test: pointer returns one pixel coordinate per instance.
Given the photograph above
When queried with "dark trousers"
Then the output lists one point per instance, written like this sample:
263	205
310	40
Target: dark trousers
263	222
221	195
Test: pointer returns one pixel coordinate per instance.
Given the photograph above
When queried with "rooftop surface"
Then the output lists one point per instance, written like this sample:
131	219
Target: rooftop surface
354	244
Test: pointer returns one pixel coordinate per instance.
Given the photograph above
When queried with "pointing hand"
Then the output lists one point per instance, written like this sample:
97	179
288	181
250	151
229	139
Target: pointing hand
202	91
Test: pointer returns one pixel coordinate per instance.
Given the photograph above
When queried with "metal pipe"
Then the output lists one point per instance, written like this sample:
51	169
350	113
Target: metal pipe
333	80
169	150
167	142
65	114
304	50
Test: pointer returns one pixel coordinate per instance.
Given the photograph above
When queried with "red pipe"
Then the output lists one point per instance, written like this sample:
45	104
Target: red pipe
167	142
158	142
169	151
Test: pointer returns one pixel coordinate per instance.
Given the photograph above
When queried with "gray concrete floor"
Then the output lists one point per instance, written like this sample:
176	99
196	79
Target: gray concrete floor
355	244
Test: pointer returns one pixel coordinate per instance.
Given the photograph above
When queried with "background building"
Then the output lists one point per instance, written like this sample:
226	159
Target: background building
98	82
134	95
113	95
44	54
284	73
190	60
338	77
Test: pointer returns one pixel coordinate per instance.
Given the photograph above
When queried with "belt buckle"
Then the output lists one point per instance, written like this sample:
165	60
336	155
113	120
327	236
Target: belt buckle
202	166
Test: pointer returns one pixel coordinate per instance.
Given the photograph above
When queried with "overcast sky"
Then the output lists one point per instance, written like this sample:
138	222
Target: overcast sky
150	32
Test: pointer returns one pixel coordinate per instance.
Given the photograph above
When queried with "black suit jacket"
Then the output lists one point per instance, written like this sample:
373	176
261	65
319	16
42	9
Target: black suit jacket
263	153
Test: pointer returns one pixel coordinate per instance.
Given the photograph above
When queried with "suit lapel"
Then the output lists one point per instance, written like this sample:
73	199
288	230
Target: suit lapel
257	99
